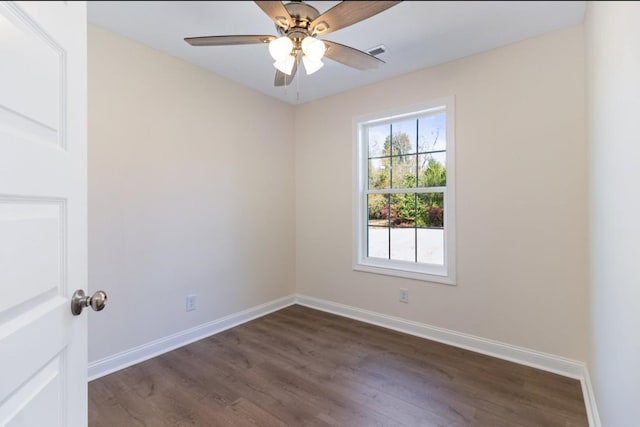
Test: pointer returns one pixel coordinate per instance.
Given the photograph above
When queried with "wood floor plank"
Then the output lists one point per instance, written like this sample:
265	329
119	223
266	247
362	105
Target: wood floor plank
303	367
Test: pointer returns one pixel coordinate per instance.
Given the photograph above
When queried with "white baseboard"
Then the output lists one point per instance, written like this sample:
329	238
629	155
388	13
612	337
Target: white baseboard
590	399
524	356
155	348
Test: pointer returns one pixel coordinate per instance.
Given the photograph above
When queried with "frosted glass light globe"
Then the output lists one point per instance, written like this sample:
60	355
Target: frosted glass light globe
280	48
286	64
313	48
311	65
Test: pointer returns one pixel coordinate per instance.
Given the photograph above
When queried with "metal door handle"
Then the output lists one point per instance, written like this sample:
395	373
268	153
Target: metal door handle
79	301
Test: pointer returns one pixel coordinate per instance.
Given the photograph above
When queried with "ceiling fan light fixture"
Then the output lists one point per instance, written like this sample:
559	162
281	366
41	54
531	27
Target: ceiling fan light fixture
311	65
286	64
298	26
313	48
280	48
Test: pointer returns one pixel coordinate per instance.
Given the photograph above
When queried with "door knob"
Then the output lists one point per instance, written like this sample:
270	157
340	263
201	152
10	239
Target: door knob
79	301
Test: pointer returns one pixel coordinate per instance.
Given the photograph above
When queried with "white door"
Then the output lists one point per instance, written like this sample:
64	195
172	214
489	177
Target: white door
43	213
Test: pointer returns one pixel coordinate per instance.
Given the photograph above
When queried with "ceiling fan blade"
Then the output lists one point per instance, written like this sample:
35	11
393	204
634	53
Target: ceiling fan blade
351	57
227	40
277	12
282	79
347	13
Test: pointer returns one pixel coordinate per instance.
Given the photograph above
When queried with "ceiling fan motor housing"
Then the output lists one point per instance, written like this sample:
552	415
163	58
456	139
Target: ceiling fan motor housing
302	15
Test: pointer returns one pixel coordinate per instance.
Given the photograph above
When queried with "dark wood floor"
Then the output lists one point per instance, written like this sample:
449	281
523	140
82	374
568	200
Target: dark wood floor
302	367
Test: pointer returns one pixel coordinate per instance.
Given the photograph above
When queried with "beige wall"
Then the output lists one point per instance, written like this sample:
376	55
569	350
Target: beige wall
185	171
521	197
613	83
190	191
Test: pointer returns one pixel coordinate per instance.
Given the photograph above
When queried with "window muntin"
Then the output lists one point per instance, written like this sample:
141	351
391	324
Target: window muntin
404	185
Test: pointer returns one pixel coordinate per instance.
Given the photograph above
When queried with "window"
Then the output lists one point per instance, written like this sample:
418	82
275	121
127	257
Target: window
404	193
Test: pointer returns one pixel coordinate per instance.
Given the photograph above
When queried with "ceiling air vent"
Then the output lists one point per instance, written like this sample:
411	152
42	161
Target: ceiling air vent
375	51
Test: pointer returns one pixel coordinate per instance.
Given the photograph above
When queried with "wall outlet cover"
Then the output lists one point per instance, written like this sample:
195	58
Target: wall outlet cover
191	302
404	295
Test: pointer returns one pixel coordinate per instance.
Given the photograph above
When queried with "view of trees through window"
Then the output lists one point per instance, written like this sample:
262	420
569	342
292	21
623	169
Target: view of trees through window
407	176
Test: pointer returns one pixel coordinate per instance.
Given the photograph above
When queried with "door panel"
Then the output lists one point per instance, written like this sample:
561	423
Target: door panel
43	357
42	396
30	251
36	70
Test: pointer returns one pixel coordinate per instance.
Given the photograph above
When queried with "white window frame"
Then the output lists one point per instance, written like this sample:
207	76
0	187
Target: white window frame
427	272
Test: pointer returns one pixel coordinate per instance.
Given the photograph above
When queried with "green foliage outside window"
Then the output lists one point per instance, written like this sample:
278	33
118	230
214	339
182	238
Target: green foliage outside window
407	209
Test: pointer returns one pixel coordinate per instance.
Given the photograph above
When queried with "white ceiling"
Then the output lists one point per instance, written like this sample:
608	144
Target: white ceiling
417	34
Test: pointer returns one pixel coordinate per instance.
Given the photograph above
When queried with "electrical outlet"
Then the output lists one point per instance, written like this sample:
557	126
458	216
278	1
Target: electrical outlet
191	302
404	295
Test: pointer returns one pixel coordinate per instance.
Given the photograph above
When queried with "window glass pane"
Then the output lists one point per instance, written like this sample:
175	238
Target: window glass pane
378	208
404	171
432	133
378	242
403	244
403	233
430	245
430	234
430	210
378	225
432	170
403	210
404	137
379	173
377	135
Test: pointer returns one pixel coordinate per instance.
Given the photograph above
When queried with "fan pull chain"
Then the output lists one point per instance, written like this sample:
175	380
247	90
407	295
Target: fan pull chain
298	86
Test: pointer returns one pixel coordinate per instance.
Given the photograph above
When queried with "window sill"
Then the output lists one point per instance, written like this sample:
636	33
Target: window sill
404	273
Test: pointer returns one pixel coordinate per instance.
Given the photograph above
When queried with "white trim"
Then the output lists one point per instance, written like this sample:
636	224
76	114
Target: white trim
524	356
417	190
446	273
397	269
590	399
124	359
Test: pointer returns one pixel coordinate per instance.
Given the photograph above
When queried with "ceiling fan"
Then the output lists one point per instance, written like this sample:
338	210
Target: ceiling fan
298	25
